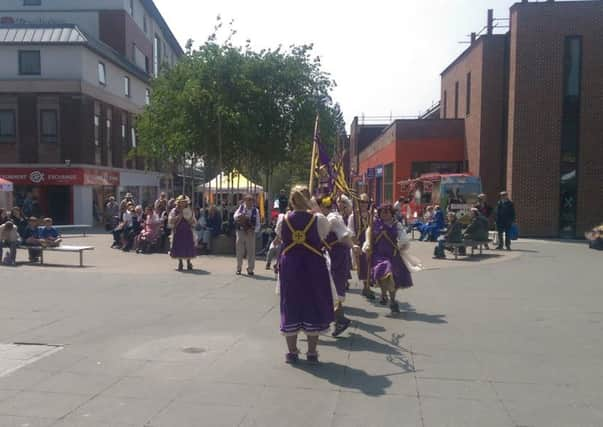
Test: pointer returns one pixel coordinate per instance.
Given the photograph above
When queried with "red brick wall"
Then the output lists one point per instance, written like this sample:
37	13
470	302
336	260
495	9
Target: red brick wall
408	141
536	107
484	124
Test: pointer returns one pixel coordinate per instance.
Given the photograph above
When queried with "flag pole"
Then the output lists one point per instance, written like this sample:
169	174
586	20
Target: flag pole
313	159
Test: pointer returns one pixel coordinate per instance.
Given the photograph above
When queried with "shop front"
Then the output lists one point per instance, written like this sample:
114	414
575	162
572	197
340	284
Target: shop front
66	194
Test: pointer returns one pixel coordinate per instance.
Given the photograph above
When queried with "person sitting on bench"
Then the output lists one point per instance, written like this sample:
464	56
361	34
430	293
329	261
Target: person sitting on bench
31	237
477	231
50	234
454	234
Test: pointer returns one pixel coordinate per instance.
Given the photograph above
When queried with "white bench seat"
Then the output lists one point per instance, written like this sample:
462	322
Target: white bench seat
62	248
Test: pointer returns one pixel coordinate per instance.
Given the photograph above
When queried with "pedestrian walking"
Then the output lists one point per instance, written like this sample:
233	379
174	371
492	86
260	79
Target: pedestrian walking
182	223
247	220
306	301
505	217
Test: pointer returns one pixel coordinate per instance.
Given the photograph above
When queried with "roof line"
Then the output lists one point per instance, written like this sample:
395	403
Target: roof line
153	10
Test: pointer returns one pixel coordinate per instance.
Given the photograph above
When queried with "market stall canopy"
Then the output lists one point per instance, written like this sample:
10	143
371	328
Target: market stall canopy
234	182
6	185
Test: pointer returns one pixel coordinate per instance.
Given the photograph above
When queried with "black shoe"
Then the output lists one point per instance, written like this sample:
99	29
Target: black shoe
250	273
238	272
368	294
394	307
341	326
499	248
180	266
189	266
508	248
267	266
383	300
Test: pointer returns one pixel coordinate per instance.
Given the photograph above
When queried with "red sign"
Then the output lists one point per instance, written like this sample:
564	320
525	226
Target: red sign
59	176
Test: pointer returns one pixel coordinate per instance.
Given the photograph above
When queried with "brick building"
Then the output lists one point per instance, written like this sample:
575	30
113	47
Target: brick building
533	109
73	76
408	148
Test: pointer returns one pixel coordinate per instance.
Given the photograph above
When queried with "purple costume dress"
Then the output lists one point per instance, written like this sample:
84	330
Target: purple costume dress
341	263
183	242
305	286
363	268
385	259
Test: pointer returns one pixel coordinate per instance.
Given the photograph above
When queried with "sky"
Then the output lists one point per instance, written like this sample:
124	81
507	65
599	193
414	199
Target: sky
386	56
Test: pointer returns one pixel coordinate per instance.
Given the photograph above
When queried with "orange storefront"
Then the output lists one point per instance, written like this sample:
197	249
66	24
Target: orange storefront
406	149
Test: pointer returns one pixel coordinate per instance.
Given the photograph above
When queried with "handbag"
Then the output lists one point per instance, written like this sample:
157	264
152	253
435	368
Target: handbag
514	231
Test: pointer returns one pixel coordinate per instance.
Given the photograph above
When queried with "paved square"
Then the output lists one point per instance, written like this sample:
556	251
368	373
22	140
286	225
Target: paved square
509	339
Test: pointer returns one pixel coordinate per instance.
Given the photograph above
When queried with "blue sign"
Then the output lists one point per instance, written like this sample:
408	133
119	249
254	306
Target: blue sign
379	171
370	173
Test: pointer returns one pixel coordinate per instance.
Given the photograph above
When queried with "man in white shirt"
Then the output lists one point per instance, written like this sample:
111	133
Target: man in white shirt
247	221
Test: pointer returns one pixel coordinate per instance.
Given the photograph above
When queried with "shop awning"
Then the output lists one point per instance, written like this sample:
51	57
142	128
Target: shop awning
234	182
6	185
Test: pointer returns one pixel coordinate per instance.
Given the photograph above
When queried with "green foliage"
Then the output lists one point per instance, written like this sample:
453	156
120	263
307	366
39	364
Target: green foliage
235	107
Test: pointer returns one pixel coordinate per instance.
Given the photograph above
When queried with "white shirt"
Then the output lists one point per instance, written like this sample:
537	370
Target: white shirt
322	225
243	210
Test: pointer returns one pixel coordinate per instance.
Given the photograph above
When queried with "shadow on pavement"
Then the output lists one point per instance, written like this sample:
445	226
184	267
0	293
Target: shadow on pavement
196	272
371	385
360	312
408	312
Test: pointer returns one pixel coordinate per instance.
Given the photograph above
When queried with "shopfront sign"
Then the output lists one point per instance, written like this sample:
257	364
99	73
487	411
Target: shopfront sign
379	171
370	173
59	176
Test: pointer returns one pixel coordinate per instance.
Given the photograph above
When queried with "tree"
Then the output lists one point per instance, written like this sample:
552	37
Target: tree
234	107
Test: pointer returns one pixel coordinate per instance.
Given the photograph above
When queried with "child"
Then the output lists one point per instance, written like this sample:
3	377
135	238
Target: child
31	237
386	240
49	234
358	227
305	287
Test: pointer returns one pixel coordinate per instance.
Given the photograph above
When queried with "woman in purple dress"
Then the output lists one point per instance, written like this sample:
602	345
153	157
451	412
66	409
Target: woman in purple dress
358	225
386	240
305	287
182	222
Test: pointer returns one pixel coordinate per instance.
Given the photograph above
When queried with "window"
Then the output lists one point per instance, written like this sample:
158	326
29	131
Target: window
102	74
468	94
132	7
8	125
156	56
445	103
97	130
144	23
133	138
29	62
570	136
32	2
456	100
147	97
388	182
127	86
48	126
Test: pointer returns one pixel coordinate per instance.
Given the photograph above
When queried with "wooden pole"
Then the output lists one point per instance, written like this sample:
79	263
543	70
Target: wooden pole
313	159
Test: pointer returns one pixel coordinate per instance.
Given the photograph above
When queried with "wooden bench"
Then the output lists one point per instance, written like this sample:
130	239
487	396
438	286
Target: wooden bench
467	244
84	228
62	248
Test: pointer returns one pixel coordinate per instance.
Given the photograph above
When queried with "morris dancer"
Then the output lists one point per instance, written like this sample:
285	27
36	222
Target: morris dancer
182	221
358	226
305	288
338	243
386	240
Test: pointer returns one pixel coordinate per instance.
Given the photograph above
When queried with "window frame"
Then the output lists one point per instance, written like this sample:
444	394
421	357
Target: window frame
103	67
21	55
127	86
7	137
468	94
456	99
48	138
32	2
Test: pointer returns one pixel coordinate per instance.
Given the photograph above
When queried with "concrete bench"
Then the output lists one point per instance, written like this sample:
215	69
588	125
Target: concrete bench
84	228
473	244
62	248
